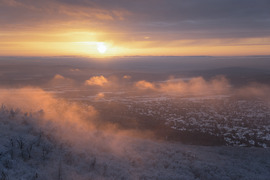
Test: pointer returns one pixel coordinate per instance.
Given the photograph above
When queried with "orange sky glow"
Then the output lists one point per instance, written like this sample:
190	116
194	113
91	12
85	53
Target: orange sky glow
58	28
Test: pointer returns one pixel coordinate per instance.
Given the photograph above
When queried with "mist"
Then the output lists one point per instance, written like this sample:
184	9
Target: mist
104	122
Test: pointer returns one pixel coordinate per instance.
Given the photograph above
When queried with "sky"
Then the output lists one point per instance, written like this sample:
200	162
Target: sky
134	28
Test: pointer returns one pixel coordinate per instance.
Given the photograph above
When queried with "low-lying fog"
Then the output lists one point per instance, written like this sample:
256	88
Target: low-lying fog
130	117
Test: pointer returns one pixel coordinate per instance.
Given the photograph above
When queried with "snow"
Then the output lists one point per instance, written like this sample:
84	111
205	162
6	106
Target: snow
224	116
30	152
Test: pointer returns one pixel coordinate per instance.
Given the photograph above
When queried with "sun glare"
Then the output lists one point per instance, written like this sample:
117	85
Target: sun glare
102	48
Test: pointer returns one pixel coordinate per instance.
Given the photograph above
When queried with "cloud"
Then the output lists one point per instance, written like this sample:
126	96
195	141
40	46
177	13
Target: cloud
58	77
173	27
60	80
69	123
35	99
96	81
75	70
254	90
126	77
144	85
198	86
194	86
100	96
191	19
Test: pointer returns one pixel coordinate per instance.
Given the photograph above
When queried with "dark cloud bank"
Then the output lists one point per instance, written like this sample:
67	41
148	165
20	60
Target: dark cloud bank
185	19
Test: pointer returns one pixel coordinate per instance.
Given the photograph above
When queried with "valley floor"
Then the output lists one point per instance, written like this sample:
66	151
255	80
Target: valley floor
31	151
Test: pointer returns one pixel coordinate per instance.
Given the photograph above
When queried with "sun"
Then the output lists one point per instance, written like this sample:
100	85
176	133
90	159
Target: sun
101	47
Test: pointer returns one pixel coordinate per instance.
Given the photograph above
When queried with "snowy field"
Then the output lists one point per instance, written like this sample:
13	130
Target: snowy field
33	147
161	118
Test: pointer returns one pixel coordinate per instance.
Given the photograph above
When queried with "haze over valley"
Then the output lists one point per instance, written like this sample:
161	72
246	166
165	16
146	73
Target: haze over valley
134	90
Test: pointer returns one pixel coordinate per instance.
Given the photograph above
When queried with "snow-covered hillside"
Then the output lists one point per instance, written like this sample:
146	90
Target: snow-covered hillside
31	150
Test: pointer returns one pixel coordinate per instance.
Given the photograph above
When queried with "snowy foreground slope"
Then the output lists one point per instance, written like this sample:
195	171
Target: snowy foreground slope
32	150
